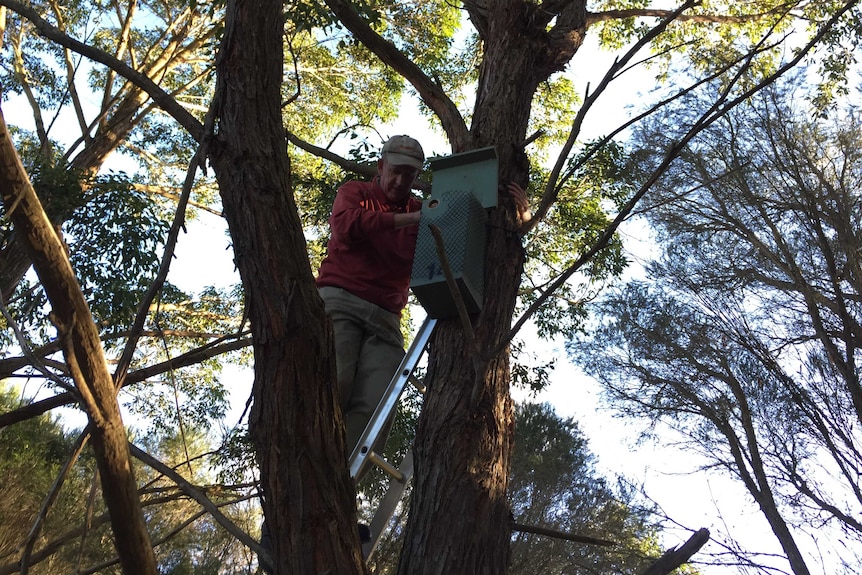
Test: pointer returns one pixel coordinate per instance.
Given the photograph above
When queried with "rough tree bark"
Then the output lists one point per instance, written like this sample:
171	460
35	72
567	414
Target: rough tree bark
296	427
464	438
84	356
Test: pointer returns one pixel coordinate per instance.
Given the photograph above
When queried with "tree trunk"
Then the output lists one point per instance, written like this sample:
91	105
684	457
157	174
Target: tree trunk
84	356
309	500
459	517
755	476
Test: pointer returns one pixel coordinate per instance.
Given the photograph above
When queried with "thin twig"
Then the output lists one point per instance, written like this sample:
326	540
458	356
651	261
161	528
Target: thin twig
198	495
469	334
28	352
88	517
157	283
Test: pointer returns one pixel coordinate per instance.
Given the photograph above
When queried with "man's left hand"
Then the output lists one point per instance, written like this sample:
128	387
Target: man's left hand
521	202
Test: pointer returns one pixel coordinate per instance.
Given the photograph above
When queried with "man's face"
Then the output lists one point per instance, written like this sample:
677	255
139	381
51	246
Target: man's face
396	180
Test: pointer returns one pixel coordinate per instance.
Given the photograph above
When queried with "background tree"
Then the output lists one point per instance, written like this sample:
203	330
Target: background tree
32	455
163	42
744	336
555	485
75	527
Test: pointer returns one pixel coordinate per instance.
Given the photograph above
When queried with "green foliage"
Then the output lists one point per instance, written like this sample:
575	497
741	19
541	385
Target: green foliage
615	33
526	375
32	454
839	58
115	245
426	33
235	458
198	392
554	484
718	33
34	67
113	240
552	115
308	15
600	181
215	310
332	82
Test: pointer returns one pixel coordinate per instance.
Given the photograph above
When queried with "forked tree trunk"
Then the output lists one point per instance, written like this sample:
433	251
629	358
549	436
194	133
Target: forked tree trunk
460	521
309	499
459	516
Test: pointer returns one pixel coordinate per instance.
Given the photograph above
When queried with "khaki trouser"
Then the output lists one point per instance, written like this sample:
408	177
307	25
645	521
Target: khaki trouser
369	348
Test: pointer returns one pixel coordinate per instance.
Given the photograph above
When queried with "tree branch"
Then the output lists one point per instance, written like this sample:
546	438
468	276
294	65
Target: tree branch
84	356
162	98
676	556
430	92
33	536
192	357
561	535
198	496
367	170
167	256
605	15
551	189
718	110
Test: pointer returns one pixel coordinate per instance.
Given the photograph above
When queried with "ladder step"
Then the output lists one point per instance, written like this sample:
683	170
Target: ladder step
418	384
388	504
387	467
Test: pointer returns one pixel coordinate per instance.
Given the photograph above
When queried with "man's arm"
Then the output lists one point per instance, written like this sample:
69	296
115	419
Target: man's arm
351	218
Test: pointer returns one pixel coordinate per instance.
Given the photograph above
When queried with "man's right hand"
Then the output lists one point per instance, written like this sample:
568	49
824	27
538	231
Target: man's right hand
408	219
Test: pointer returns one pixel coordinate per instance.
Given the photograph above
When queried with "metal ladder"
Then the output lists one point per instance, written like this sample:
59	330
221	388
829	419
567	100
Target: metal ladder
363	454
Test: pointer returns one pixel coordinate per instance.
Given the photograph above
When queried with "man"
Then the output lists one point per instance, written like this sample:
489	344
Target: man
365	277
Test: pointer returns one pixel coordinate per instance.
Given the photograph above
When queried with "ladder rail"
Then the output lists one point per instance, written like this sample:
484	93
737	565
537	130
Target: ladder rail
387	405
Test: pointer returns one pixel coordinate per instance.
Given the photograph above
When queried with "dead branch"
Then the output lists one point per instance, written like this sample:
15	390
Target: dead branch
676	556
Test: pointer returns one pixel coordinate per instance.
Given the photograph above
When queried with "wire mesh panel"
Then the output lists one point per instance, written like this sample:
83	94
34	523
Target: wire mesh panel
462	223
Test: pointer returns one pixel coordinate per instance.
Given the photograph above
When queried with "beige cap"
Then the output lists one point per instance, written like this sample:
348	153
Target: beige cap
403	150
